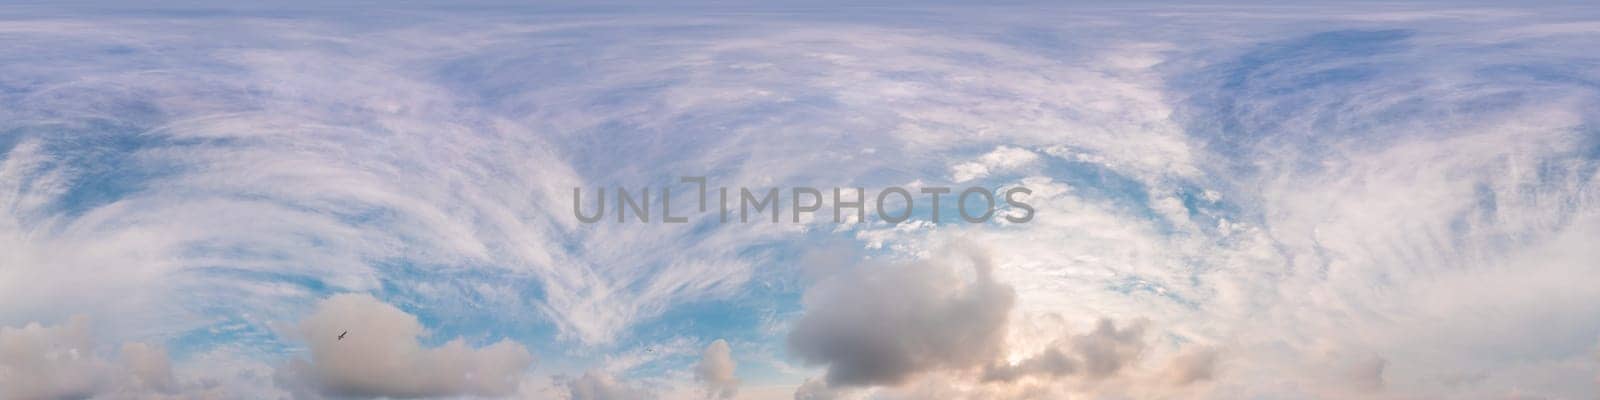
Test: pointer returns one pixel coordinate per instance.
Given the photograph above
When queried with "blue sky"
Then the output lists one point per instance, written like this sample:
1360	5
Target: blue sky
1232	201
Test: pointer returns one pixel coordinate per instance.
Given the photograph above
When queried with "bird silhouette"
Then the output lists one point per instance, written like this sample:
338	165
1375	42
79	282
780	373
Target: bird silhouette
341	335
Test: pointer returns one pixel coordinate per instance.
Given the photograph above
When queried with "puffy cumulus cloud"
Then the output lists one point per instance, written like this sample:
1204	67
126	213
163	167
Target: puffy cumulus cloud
148	367
883	324
600	385
1193	365
61	362
1107	349
381	356
50	362
1049	363
930	329
1098	354
715	370
816	389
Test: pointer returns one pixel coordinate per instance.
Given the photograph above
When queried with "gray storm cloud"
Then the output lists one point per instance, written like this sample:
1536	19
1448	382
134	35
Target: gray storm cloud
884	324
381	356
715	370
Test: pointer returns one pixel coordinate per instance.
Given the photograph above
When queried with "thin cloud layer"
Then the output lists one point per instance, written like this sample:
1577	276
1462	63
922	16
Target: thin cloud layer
1098	354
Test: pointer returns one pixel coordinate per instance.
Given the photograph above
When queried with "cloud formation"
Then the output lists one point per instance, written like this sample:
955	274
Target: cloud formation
62	362
1098	354
600	385
715	370
1000	159
1193	365
380	356
50	362
815	389
935	319
148	367
937	329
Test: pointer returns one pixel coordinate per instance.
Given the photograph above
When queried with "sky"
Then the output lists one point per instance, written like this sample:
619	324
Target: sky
1229	201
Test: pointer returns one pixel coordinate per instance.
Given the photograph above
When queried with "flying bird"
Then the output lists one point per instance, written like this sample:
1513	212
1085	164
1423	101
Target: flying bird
341	335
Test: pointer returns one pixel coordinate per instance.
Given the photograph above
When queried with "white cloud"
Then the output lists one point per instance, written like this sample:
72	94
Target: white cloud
715	370
1099	354
149	367
48	362
380	356
599	385
1003	158
817	389
1051	363
1193	365
1107	350
61	361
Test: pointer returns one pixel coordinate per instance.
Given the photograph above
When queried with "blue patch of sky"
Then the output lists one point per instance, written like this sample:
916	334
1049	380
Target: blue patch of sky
774	291
104	166
451	301
1208	214
220	295
733	319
